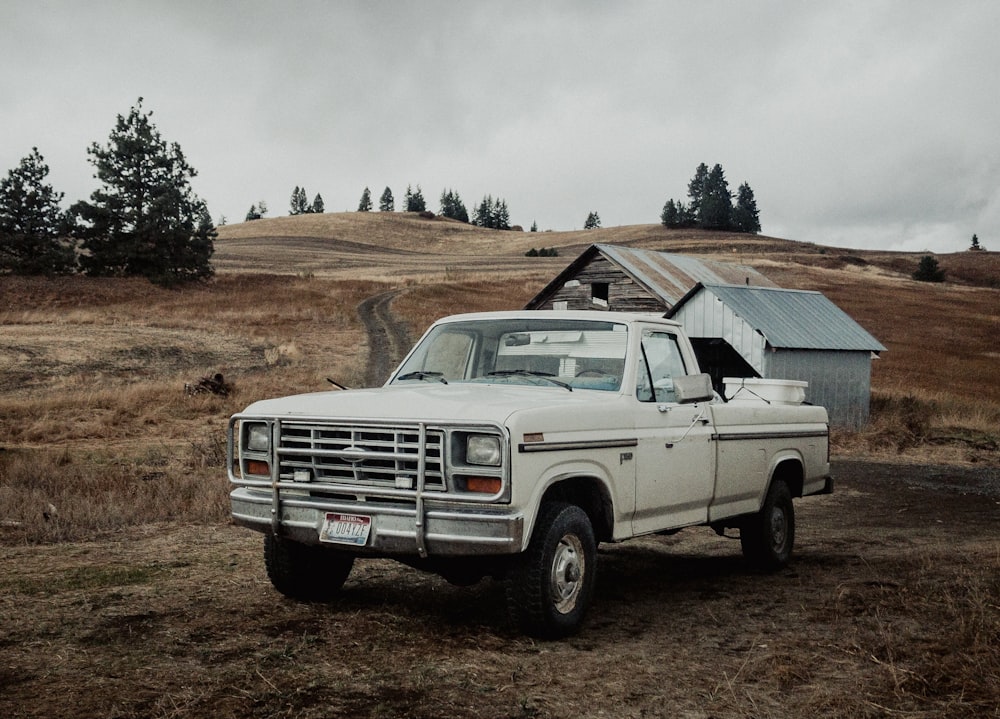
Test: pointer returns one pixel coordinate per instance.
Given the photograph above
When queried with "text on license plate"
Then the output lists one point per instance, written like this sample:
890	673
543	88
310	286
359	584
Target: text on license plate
345	529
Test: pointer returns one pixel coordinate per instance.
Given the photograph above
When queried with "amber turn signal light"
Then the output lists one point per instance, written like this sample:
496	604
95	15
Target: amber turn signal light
255	466
484	485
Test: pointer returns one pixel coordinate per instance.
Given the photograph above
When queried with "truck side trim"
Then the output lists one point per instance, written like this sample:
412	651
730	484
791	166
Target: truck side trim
565	446
729	436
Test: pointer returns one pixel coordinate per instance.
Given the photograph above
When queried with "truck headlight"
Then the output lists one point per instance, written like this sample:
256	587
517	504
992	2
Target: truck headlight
483	449
258	437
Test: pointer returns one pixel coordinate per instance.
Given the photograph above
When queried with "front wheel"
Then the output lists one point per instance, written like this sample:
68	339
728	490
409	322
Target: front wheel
306	572
552	582
767	537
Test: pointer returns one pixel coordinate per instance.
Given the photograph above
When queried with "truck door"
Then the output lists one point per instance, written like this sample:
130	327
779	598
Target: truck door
675	468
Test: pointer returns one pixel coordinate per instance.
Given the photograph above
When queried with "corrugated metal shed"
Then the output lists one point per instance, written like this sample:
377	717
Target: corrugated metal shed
664	278
783	334
791	319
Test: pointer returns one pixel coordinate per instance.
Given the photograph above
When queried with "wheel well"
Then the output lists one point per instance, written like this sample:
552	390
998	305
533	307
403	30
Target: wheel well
790	471
590	495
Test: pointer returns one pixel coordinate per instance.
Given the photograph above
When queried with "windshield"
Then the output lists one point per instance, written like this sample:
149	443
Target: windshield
582	354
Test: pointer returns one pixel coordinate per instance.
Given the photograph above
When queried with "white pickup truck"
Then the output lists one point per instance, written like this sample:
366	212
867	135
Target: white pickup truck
509	445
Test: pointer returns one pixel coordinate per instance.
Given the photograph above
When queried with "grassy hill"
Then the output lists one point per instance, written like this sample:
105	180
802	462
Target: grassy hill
417	246
942	357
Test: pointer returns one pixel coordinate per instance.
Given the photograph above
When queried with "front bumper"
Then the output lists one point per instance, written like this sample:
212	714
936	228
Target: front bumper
397	529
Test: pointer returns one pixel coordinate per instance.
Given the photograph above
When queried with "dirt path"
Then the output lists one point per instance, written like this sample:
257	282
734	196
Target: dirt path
388	339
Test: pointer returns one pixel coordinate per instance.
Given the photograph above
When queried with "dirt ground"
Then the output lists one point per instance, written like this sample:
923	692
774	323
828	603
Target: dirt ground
889	608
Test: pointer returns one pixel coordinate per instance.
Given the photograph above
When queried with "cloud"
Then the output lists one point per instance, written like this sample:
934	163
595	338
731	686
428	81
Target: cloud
870	124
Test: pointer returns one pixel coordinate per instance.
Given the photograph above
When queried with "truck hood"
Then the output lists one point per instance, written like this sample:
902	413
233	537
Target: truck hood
430	402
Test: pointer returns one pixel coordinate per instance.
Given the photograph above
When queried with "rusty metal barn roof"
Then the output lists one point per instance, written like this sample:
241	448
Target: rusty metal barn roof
672	276
790	319
667	276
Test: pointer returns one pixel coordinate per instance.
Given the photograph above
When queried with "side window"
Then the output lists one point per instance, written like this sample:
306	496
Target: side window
660	362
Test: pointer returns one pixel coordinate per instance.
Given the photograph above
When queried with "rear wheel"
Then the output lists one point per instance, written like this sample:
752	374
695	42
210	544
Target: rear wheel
552	582
305	572
767	537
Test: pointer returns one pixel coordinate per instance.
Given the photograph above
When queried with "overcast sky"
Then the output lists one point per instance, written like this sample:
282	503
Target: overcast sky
858	124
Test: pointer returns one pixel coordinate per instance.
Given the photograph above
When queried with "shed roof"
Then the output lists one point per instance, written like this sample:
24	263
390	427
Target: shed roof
790	319
664	275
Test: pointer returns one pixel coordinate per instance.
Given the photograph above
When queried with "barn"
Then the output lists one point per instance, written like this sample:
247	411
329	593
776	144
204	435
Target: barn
775	333
741	323
622	279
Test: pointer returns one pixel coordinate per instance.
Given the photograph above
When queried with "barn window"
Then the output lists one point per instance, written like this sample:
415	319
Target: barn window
599	293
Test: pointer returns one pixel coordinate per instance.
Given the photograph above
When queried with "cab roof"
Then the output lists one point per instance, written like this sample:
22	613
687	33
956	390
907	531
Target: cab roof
588	315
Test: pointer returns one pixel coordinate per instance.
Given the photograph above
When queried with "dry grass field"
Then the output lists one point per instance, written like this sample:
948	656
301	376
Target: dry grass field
124	591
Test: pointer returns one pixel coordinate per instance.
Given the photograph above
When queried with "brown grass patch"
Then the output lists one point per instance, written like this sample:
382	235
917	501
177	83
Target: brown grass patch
74	494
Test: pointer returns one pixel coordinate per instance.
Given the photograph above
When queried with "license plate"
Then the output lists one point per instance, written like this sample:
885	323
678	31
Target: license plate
346	529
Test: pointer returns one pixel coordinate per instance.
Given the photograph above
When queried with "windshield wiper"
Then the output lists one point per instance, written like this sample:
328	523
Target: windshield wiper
419	374
528	373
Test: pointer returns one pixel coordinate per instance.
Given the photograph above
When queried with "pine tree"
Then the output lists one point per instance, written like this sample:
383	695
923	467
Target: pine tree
145	220
928	270
676	214
452	206
366	201
386	203
711	206
534	226
317	205
256	211
746	217
716	201
669	217
975	246
300	203
481	216
31	222
502	216
415	200
696	189
593	221
492	214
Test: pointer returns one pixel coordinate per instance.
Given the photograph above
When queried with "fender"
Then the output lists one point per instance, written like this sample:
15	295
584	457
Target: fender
579	470
788	460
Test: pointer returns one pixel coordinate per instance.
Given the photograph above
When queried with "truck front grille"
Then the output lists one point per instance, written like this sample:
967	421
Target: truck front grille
359	455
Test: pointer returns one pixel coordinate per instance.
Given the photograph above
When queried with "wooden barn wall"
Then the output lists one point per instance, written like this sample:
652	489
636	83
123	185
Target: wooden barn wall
838	380
624	295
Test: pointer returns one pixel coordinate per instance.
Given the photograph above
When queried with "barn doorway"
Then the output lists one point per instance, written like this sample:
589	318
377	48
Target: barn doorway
718	358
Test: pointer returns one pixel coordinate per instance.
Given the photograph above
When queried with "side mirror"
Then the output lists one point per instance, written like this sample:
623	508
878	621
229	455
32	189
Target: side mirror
693	388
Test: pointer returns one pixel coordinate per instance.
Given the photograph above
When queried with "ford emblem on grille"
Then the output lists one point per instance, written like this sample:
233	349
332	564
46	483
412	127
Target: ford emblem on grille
354	454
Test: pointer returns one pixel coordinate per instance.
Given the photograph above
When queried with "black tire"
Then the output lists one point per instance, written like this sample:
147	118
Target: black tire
768	537
552	583
307	573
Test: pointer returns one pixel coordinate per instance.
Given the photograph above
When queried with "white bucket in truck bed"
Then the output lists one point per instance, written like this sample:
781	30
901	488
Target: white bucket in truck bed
776	391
